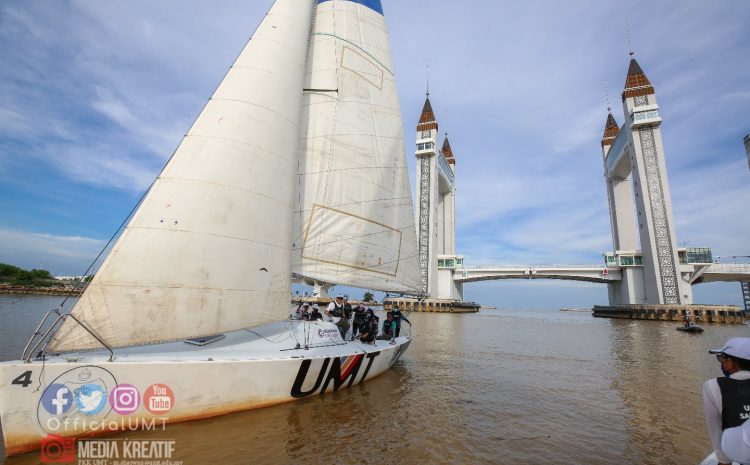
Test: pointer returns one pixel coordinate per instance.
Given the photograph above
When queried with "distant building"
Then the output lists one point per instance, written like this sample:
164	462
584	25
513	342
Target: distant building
747	149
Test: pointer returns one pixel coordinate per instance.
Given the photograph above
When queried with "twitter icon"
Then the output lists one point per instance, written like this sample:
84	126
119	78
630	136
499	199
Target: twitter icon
90	399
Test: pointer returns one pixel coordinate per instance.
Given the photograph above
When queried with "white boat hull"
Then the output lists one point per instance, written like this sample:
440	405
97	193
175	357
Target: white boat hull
246	370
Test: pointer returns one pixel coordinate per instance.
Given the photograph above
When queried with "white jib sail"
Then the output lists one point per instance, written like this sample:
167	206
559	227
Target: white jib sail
354	223
209	249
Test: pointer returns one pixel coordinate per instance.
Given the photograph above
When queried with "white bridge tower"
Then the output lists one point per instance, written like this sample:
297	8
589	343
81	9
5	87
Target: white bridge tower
640	204
436	210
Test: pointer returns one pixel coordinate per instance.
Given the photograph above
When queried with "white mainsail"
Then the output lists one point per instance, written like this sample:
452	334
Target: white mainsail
209	249
354	223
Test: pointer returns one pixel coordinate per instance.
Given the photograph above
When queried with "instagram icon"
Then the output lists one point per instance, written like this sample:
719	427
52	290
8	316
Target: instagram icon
124	399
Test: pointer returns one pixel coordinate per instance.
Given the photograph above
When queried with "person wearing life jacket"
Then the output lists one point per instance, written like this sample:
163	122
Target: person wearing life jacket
726	400
306	311
369	327
347	308
335	311
397	317
315	314
359	318
389	328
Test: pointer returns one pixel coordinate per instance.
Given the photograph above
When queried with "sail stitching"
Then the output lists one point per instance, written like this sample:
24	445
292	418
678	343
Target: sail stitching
203	233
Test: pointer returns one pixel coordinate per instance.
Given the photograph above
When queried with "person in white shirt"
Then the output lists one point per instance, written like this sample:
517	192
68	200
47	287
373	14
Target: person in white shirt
726	400
336	311
735	442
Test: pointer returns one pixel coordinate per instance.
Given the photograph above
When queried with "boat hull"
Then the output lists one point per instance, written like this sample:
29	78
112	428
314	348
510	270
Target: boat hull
224	381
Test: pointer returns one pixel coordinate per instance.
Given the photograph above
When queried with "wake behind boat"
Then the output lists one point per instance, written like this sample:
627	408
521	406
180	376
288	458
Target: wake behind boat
294	166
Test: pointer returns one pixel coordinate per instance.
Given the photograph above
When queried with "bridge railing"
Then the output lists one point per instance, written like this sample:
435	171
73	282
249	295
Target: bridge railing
729	268
445	168
597	266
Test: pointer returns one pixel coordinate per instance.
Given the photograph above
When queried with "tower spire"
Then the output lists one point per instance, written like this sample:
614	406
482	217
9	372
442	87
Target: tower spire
630	45
606	97
427	92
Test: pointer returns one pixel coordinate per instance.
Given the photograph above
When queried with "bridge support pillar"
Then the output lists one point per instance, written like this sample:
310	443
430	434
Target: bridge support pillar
634	156
436	218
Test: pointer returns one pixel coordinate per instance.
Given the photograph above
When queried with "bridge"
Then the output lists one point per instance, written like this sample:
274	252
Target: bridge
590	273
700	273
646	266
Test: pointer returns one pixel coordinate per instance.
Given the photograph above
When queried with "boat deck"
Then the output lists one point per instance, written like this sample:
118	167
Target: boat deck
280	340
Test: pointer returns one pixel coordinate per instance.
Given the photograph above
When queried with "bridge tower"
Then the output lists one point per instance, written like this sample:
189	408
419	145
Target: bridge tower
640	201
436	218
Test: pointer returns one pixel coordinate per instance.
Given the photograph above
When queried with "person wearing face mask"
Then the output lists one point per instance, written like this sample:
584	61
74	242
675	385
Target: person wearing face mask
726	400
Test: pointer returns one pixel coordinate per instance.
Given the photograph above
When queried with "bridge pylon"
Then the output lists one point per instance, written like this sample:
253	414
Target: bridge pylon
436	210
640	203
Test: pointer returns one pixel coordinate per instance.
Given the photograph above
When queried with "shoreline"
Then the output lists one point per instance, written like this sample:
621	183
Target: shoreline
30	290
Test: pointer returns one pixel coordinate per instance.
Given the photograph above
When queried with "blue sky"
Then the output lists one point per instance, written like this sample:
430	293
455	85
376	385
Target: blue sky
95	96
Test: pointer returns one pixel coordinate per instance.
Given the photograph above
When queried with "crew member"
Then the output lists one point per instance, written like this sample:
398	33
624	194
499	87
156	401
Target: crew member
397	317
316	315
726	400
359	318
389	328
335	311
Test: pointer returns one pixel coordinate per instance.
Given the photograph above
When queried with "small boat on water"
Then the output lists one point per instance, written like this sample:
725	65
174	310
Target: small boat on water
295	165
690	328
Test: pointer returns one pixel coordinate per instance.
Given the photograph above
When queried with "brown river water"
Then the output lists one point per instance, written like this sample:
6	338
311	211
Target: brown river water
505	386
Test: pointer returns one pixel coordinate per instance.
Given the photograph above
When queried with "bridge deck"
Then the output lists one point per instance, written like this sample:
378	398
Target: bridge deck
702	273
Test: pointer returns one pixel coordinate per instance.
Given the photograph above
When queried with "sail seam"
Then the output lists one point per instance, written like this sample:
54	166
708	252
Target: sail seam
383	167
231	186
204	233
151	286
228	139
295	124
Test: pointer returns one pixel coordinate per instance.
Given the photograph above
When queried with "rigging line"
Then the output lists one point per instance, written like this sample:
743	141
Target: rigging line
292	329
352	43
267	339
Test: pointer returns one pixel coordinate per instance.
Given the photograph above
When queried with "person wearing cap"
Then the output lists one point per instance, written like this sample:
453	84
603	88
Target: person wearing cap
726	400
397	317
335	311
305	312
315	314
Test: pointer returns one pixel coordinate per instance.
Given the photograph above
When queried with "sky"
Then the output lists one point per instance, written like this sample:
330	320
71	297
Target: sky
95	96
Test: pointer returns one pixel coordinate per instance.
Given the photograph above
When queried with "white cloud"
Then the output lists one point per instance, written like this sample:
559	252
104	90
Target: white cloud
61	255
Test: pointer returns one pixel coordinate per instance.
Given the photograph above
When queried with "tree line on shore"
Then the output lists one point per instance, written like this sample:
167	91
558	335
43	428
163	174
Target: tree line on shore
16	276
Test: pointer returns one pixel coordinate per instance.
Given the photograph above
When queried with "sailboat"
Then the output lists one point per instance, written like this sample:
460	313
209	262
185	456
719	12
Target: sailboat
295	166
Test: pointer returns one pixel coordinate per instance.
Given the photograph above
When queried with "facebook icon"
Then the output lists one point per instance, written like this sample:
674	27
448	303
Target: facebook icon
57	399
